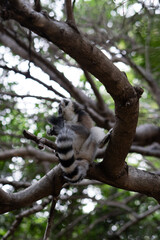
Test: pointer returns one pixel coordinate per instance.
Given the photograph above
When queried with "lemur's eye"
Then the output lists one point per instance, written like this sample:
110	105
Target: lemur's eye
66	102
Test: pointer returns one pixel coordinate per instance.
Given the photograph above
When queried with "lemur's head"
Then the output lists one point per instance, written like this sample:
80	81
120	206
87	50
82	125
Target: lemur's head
69	109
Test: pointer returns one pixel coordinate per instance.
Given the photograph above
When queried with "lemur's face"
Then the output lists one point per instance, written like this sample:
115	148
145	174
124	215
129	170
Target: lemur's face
66	109
62	105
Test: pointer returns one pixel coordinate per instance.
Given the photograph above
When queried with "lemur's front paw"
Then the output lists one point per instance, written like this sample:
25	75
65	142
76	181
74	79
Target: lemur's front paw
51	132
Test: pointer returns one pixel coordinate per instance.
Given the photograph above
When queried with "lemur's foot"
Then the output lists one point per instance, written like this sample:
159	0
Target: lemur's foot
105	139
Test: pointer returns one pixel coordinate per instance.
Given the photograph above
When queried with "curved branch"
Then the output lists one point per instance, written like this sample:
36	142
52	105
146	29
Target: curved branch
28	75
122	136
40	141
29	96
133	180
50	184
15	184
29	151
147	134
152	150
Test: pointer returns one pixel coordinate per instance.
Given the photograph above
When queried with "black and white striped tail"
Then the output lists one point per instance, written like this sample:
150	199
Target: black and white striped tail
74	170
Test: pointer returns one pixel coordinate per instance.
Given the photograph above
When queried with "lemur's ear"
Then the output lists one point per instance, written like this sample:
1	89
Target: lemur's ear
66	101
61	105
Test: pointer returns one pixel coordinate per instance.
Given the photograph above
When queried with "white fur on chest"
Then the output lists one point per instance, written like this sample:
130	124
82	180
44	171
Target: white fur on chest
71	118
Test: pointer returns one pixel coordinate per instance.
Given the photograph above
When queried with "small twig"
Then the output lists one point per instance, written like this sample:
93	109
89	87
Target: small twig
74	1
13	228
30	96
40	141
37	5
137	219
147	44
29	50
28	75
50	219
70	16
9	134
70	226
15	184
69	11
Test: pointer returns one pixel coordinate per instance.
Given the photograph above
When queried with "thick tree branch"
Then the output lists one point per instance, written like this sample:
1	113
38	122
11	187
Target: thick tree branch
133	180
50	184
121	137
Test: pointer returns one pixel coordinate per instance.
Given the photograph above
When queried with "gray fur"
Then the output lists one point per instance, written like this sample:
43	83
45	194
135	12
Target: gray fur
77	139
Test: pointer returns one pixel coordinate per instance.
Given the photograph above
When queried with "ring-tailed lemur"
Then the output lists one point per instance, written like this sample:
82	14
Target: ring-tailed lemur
73	113
77	139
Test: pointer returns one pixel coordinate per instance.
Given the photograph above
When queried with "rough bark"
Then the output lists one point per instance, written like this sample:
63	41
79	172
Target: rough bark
50	184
